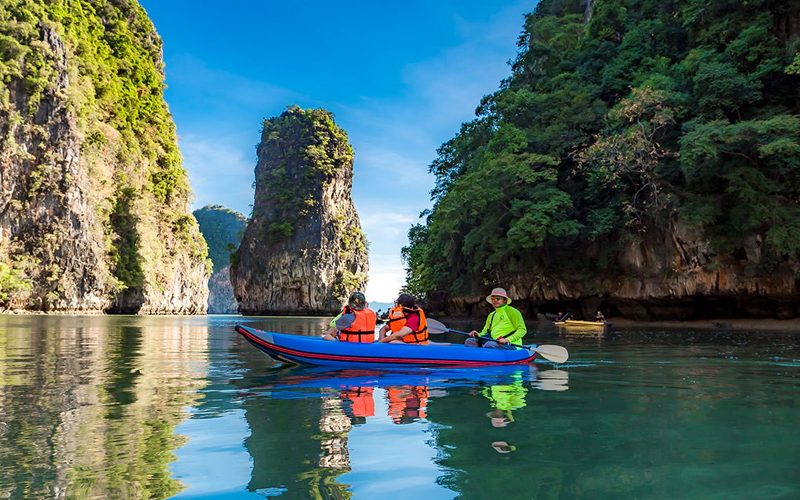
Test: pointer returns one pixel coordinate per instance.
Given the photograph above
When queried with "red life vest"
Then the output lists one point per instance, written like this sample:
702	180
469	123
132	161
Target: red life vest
397	319
363	327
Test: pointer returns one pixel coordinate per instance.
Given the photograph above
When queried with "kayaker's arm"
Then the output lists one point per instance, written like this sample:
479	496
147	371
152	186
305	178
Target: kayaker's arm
396	335
486	326
338	324
515	317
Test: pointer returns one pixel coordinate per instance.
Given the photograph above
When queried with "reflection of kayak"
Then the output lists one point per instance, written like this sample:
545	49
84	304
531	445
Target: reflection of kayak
577	323
302	382
321	377
315	351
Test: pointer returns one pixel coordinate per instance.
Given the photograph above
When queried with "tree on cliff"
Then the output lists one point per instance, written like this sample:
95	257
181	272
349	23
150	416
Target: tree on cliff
609	131
303	250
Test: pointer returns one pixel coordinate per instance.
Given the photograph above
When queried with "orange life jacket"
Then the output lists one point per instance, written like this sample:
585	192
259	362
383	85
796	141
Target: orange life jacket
397	320
363	327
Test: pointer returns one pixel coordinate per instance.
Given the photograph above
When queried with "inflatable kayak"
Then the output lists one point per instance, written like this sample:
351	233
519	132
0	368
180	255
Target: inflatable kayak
315	351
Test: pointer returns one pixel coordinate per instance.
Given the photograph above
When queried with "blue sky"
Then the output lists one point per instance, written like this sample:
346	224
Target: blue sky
400	78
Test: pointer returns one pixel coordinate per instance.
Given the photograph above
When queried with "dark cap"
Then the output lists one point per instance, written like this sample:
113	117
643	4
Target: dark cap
357	301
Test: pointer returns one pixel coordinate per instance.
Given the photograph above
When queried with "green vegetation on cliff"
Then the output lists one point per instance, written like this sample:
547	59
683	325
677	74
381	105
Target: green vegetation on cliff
81	86
121	73
643	115
305	149
222	229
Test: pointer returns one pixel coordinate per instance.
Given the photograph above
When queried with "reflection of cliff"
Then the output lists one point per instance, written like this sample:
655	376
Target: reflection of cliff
298	446
94	407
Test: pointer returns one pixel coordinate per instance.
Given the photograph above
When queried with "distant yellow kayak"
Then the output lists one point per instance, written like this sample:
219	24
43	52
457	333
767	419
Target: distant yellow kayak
574	322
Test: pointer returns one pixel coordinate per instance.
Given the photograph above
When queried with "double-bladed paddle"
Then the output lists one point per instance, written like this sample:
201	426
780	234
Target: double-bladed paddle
554	353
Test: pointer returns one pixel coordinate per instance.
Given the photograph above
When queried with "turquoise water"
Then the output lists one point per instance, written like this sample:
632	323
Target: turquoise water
156	407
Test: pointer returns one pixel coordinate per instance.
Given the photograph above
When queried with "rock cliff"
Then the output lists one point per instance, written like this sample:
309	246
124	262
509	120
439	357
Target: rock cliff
667	275
93	197
600	178
303	250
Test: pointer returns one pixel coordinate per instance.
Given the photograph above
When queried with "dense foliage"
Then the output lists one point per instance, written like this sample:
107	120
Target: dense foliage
619	120
222	229
303	149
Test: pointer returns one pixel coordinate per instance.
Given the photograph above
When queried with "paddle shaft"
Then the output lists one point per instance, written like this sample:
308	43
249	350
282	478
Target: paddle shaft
553	353
466	334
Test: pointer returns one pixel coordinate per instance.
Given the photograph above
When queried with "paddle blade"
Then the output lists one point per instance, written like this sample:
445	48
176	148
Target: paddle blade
554	353
436	327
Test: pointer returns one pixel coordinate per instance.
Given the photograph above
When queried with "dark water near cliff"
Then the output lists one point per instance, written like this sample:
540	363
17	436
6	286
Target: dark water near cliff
140	407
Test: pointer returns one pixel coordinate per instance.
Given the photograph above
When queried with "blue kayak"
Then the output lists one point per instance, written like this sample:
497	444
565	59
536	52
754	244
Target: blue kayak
316	351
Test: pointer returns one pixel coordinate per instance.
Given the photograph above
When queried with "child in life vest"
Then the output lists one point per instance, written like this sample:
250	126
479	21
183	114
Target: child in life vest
356	322
406	323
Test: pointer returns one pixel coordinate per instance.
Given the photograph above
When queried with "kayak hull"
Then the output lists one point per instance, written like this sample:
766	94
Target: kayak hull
581	324
316	351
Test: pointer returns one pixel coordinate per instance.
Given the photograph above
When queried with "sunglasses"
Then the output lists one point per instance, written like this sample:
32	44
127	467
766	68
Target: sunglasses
497	297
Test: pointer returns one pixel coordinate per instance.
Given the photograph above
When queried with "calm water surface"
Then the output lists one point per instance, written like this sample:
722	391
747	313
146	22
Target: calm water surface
153	407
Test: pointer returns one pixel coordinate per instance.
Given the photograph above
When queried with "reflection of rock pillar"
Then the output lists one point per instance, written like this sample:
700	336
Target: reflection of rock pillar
335	425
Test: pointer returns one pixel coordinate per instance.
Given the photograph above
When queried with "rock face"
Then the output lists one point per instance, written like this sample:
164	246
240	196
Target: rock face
220	293
222	229
303	250
668	275
93	197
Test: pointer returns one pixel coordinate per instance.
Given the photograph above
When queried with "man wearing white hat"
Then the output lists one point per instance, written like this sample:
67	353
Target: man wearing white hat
505	324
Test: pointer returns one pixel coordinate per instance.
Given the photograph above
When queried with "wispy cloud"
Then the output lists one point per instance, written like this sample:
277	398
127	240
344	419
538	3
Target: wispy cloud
217	166
220	89
396	138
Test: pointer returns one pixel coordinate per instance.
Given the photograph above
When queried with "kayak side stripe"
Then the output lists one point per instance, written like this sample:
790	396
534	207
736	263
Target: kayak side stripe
373	359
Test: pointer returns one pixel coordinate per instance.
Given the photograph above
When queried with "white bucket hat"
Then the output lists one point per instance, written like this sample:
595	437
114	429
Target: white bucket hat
500	292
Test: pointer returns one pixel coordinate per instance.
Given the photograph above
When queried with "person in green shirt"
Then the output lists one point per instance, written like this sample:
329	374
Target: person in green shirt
505	324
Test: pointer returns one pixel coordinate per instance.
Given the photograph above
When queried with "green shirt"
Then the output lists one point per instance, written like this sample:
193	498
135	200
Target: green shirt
505	321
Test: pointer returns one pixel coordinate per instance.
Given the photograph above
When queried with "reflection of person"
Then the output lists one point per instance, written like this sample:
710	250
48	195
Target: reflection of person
505	399
406	323
356	322
407	403
358	403
504	324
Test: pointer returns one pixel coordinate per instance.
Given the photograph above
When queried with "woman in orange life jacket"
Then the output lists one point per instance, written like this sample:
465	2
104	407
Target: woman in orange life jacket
406	323
356	322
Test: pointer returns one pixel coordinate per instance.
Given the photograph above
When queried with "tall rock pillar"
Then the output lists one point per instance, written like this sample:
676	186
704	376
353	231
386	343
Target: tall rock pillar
303	250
